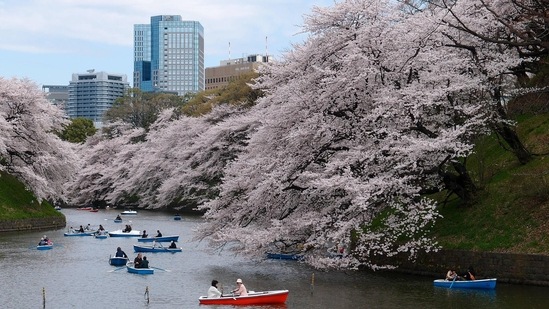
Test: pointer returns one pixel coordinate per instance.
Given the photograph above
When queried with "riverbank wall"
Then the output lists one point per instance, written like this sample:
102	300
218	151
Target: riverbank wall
31	224
530	269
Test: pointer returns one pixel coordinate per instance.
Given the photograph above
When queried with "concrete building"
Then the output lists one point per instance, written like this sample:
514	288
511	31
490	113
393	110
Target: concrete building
57	94
169	55
228	70
91	94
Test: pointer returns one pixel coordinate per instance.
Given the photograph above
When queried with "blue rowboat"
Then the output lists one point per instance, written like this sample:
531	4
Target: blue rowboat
137	248
118	261
102	236
284	256
177	217
141	271
466	284
117	220
119	233
44	247
159	239
87	233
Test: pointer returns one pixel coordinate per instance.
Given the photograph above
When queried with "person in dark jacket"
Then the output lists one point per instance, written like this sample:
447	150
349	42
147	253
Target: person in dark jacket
144	263
120	253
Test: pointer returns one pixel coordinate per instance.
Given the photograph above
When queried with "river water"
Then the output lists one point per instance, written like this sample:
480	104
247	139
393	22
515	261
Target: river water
76	274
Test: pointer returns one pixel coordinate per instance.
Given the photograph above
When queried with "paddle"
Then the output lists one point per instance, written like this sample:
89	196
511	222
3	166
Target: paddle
162	269
453	281
117	269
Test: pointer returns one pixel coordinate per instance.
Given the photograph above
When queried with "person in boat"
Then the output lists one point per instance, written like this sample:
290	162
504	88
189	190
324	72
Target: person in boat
81	229
240	288
451	275
127	229
144	235
144	263
158	234
213	291
88	227
174	246
42	242
118	217
469	274
71	230
137	261
120	253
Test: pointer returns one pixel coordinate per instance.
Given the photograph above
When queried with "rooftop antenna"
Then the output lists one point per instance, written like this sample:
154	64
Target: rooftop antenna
266	50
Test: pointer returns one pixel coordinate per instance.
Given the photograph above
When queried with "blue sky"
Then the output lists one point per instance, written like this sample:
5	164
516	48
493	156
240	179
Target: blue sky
49	40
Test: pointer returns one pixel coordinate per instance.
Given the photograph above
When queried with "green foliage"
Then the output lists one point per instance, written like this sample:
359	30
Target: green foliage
237	93
16	202
141	109
78	130
512	212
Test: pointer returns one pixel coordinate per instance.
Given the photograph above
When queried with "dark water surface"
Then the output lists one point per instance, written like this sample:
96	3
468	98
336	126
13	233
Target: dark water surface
76	274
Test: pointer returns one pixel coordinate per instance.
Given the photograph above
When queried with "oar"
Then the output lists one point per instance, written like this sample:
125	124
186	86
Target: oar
453	281
162	269
117	269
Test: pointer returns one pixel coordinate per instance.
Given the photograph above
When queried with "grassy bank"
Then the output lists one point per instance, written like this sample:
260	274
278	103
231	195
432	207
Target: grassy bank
512	210
18	203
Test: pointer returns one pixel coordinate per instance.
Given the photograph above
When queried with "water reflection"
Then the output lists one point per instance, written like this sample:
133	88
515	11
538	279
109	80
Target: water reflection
76	274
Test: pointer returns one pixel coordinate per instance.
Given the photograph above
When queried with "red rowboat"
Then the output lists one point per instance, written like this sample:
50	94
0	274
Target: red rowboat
253	298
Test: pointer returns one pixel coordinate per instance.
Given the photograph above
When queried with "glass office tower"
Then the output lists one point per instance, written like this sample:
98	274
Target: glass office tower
169	55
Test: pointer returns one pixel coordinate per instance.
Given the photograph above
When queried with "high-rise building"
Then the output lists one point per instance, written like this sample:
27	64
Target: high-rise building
169	55
57	94
91	94
229	70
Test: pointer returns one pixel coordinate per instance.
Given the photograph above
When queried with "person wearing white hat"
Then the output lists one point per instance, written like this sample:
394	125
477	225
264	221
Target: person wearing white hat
240	289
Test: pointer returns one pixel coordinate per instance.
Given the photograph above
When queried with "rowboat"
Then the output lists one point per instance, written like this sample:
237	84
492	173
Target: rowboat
141	271
159	239
137	248
117	220
86	233
284	256
466	284
101	236
253	298
44	247
177	217
129	212
118	261
119	233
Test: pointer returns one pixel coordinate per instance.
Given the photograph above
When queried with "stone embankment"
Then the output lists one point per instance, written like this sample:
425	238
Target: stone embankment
33	224
531	269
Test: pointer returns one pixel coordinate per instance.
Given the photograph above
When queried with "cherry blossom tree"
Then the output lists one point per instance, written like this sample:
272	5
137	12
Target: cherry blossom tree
375	109
29	149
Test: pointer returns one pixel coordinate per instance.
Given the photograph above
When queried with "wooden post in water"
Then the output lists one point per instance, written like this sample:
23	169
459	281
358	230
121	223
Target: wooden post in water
312	283
43	298
147	294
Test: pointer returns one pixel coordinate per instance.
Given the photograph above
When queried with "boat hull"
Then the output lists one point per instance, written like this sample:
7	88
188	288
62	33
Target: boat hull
137	248
129	213
284	256
255	298
80	234
117	221
119	233
467	284
118	261
44	247
160	239
140	271
103	236
177	218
